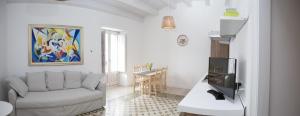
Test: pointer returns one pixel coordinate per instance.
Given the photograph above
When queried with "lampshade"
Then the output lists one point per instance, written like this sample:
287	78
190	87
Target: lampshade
168	23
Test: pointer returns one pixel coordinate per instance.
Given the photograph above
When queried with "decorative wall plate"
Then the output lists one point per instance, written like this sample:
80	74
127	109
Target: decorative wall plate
182	40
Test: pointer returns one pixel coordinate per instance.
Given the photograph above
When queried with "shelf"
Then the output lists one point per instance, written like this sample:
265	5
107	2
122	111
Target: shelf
215	35
198	101
230	26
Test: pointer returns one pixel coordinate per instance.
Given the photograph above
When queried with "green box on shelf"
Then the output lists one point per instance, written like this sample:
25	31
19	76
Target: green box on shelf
231	12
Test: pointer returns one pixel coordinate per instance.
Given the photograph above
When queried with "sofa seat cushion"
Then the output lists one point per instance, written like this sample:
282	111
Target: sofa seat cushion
57	98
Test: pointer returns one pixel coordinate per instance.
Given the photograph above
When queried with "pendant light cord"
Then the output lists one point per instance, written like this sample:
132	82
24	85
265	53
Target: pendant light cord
169	7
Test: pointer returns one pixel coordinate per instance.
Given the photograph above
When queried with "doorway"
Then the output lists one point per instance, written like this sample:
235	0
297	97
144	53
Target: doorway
113	55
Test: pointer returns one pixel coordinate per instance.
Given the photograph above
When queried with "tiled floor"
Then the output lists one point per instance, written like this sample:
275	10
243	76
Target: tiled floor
144	105
140	105
122	102
118	91
113	92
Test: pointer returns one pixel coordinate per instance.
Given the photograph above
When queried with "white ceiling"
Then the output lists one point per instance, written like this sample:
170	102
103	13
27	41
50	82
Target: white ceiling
133	9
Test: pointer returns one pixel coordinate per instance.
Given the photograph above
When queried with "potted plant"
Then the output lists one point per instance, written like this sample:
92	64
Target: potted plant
149	66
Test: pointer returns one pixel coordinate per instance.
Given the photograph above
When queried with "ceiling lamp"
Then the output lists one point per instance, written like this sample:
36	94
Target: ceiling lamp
168	22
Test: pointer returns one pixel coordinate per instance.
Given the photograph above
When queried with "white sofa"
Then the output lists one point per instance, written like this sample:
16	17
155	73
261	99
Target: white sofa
62	102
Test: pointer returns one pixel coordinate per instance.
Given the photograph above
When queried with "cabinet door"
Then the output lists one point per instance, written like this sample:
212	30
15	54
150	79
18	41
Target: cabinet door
219	49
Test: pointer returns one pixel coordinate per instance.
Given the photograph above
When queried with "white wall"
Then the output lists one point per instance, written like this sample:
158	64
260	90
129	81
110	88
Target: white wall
147	42
2	48
284	89
189	64
186	65
19	15
245	49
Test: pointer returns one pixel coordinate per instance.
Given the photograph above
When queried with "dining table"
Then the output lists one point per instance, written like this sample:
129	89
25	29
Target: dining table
146	73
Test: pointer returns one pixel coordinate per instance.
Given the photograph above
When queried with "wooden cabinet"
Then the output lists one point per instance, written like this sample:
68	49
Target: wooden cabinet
219	49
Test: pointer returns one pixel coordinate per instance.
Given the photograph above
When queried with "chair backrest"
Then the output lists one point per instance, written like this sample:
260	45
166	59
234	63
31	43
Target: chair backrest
136	68
158	74
140	68
164	71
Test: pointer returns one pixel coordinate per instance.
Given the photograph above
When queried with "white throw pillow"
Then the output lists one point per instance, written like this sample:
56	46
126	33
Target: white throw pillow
55	80
72	79
18	85
91	81
36	82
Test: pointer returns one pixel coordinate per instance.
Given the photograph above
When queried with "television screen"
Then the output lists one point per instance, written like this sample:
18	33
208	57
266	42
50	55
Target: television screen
222	65
222	75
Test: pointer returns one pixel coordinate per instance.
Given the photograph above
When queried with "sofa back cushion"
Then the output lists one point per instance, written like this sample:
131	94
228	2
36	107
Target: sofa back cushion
18	85
91	81
55	80
72	79
36	81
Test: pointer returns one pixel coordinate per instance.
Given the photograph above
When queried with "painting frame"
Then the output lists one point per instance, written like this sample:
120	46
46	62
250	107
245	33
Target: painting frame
47	26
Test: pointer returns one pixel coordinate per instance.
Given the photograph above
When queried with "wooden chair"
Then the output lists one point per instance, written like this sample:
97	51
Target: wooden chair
164	77
139	80
156	82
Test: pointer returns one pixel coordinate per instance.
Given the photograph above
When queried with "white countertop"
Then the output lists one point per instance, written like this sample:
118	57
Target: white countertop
5	108
198	101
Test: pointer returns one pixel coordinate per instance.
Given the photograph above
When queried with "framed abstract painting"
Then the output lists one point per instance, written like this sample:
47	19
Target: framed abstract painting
55	45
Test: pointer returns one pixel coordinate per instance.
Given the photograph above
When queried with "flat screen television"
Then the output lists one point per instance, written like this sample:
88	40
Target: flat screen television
222	75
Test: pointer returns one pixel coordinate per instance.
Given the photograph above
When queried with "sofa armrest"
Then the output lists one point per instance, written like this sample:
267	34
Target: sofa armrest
102	87
12	98
102	84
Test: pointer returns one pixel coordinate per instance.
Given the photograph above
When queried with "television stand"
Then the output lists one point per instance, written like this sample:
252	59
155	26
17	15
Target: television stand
218	95
198	101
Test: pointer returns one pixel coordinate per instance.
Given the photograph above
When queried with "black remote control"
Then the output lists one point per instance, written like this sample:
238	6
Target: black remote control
218	95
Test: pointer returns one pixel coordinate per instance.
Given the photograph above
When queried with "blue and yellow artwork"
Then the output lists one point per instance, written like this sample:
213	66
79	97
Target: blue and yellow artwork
55	45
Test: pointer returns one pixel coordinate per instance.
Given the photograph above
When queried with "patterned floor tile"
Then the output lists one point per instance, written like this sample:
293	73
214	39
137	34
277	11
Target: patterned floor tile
140	105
